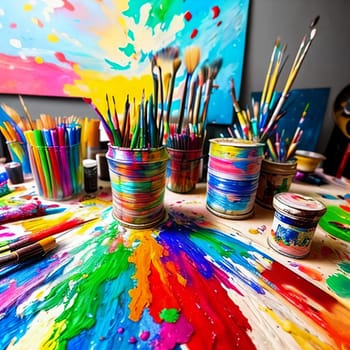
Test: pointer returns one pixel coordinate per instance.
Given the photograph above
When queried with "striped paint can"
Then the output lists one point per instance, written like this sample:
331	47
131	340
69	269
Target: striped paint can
138	185
233	177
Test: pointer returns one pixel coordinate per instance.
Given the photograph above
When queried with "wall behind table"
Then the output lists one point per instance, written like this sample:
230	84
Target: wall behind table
55	106
326	64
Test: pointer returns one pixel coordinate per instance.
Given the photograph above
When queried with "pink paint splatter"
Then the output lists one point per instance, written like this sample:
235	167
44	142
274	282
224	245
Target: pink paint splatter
174	333
145	335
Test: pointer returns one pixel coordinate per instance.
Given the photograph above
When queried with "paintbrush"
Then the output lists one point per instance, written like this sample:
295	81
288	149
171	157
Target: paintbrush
26	111
34	250
202	78
214	68
175	67
191	59
302	51
37	236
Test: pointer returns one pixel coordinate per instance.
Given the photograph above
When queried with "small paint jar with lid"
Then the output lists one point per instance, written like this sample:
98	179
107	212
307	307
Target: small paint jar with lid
295	220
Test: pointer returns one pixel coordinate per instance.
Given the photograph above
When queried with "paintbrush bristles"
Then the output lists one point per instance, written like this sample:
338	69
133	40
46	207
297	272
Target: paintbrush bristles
192	57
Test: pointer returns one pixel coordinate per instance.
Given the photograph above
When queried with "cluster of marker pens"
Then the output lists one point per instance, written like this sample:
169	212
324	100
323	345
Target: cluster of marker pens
56	159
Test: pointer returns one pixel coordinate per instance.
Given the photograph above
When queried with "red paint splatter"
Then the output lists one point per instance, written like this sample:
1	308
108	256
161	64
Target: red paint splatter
194	33
188	16
215	325
216	11
345	207
312	273
68	6
219	24
311	301
13	25
62	58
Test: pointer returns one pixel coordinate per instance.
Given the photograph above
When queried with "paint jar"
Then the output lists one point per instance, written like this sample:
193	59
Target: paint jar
19	153
90	175
183	169
295	220
275	177
57	171
14	172
233	175
138	185
4	188
102	167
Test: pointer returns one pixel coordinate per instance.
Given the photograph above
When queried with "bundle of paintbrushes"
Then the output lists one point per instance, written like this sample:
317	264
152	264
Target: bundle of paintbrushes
187	129
139	128
281	149
13	126
150	123
268	111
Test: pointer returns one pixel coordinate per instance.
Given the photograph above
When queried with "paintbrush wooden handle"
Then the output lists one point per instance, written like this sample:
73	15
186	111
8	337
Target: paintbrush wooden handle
38	236
35	250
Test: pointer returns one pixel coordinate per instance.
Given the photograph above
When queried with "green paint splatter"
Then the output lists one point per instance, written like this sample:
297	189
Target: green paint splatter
128	50
336	222
340	284
169	315
345	266
82	290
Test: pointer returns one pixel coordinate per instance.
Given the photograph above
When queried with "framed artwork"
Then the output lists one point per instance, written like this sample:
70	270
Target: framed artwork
73	48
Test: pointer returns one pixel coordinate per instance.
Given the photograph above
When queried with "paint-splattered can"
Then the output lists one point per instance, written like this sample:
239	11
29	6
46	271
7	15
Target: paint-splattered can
294	224
233	175
183	169
138	185
275	177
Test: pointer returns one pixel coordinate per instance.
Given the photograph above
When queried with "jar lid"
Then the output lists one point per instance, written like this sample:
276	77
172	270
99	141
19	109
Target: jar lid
89	163
297	204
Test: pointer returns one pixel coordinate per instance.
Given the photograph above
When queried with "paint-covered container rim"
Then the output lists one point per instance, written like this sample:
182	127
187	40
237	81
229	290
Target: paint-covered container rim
137	155
298	205
230	141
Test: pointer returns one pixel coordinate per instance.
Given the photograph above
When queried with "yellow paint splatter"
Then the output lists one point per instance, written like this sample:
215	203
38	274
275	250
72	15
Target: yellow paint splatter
304	339
96	85
27	7
53	38
253	231
39	60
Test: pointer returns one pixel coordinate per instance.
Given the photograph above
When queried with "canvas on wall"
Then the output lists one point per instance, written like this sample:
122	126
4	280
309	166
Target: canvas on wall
84	48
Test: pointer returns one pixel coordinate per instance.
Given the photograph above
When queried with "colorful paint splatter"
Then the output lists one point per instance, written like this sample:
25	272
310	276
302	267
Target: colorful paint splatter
80	48
187	282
